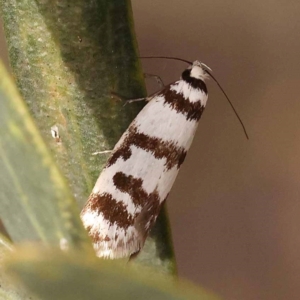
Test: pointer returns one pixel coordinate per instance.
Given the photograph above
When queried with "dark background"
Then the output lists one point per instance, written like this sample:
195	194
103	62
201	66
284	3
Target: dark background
235	206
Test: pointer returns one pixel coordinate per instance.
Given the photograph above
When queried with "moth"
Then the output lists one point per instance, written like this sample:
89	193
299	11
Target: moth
143	166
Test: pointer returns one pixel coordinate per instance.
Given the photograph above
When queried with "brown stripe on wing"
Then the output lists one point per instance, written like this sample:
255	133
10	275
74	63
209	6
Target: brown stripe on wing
112	210
133	187
147	217
115	212
96	237
158	147
192	110
150	203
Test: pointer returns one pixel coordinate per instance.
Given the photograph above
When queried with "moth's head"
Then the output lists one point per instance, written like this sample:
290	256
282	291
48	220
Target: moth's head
198	70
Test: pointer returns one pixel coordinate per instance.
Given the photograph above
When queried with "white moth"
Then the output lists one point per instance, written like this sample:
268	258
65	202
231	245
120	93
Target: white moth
142	168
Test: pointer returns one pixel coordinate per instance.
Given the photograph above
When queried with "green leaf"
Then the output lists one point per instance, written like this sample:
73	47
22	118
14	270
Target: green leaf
9	291
35	201
68	58
58	275
67	63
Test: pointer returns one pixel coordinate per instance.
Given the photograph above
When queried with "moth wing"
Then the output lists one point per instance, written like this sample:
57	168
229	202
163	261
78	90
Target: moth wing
139	174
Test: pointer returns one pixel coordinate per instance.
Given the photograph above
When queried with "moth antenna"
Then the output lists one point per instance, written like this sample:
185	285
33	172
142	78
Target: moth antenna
241	122
207	70
168	57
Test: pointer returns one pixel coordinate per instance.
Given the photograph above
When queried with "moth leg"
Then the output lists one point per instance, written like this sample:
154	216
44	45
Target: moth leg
115	95
148	98
136	100
156	78
102	152
128	101
159	82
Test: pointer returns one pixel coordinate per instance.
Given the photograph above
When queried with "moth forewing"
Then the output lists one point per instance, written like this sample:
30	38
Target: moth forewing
142	168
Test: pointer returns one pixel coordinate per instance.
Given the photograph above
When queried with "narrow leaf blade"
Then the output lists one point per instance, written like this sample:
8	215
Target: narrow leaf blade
58	275
35	202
